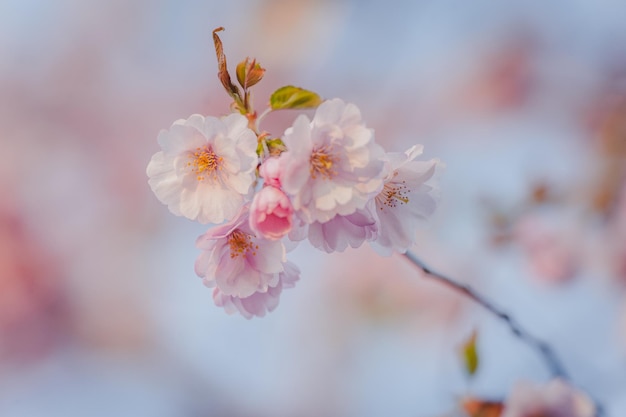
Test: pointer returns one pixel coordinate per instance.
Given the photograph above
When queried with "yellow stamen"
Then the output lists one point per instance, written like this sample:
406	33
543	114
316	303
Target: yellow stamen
322	162
392	194
240	244
205	162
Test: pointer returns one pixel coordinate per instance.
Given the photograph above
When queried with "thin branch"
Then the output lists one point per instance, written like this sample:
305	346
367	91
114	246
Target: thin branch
545	351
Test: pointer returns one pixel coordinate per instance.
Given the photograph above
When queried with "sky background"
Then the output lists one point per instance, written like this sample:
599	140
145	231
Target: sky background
101	313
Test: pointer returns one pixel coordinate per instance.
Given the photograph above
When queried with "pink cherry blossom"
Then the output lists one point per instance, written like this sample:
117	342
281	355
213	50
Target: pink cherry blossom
236	261
407	198
271	213
549	241
342	231
259	303
332	165
206	167
554	399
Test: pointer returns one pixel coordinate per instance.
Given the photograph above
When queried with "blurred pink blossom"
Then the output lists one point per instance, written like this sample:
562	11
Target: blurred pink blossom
554	399
366	286
551	252
34	315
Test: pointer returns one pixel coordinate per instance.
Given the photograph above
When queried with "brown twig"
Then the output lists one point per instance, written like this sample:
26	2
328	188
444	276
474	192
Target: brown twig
544	350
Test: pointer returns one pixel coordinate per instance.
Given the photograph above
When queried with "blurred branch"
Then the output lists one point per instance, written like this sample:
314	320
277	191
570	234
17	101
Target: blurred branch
544	350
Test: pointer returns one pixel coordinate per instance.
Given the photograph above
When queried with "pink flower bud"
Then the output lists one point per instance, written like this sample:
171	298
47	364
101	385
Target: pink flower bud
270	171
271	213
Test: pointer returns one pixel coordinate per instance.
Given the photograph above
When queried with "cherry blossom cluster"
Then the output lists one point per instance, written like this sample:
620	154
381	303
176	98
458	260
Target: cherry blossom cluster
324	179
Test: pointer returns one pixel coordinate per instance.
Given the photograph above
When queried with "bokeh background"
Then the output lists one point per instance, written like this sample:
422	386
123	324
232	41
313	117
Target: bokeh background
100	311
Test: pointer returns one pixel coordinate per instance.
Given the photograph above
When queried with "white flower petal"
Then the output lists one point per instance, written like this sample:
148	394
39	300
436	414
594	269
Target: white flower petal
238	264
407	198
207	167
332	165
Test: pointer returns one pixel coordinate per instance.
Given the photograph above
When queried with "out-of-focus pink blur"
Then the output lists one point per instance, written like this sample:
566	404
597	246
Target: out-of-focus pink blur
101	313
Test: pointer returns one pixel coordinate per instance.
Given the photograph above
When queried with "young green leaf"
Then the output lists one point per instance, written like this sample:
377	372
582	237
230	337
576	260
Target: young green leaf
276	146
249	73
241	72
470	354
290	97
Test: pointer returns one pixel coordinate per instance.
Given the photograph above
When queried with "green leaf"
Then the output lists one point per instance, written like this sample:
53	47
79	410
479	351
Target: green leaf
470	354
241	72
276	146
249	73
290	97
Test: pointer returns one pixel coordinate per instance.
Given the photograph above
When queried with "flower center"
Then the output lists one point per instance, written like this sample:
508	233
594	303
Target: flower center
393	194
205	162
240	244
322	163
